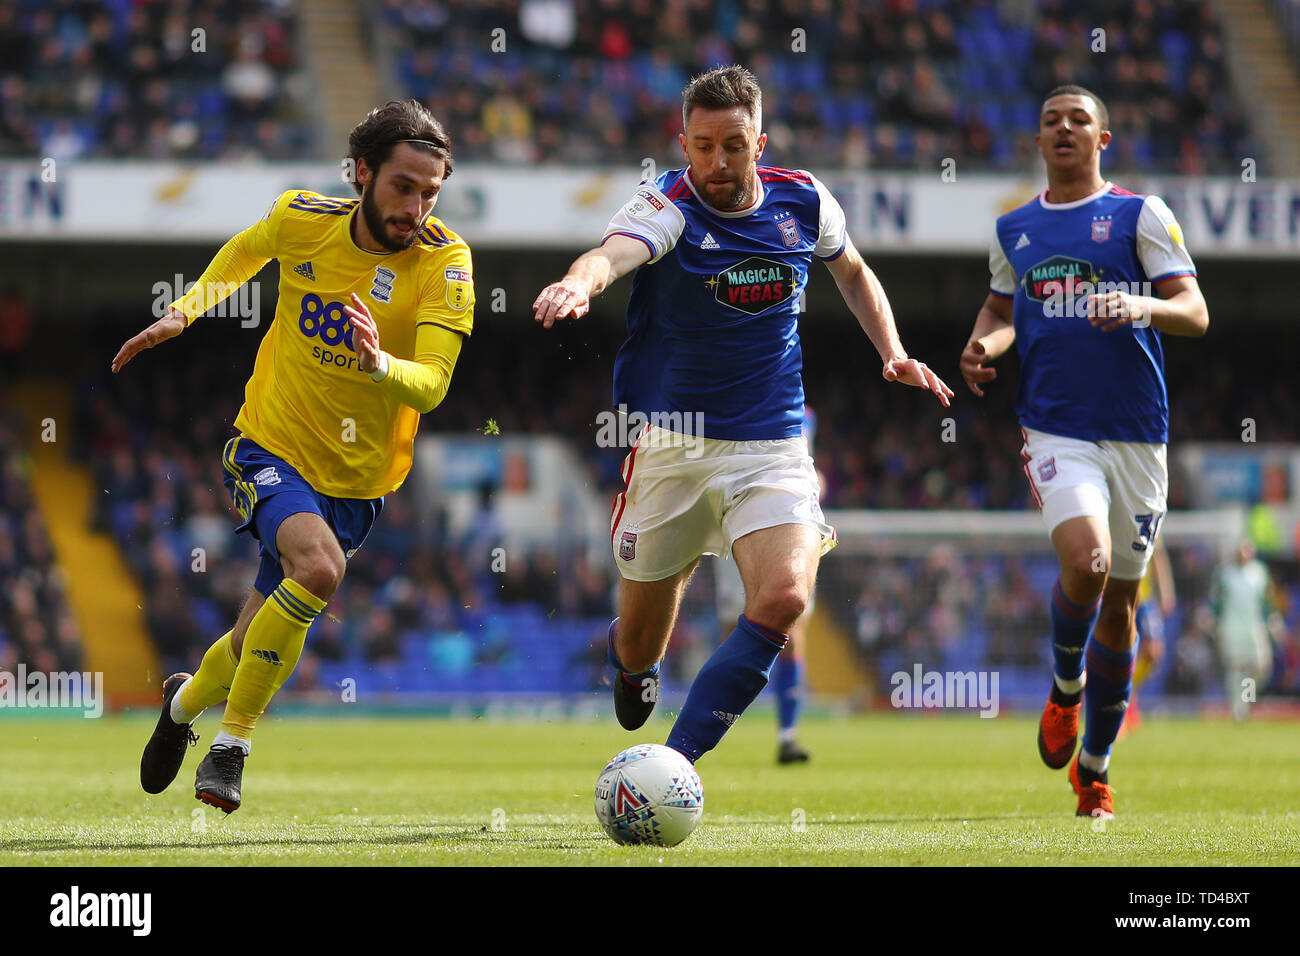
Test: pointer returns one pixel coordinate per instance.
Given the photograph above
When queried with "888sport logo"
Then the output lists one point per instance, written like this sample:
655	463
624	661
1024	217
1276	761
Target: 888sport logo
328	322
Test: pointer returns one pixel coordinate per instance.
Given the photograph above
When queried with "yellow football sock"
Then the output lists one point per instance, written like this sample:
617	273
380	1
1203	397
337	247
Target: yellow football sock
211	682
1142	670
272	647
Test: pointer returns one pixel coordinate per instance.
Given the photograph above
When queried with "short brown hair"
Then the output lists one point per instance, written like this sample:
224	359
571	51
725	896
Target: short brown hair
397	121
1103	114
722	89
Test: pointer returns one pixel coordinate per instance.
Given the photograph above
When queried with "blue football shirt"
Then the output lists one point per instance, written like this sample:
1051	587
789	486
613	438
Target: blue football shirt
713	317
1076	380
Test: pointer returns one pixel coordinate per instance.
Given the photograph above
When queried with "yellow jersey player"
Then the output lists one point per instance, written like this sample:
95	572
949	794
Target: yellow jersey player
1156	601
376	297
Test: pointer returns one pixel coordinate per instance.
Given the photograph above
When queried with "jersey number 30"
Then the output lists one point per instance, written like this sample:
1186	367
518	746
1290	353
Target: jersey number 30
1148	528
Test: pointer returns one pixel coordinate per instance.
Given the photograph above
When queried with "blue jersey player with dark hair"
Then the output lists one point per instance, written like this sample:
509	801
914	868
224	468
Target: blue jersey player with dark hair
1085	278
722	251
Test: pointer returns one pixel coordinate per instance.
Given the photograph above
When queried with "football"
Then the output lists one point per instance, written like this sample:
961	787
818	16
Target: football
649	794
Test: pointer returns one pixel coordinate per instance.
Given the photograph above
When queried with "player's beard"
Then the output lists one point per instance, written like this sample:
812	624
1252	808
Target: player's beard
378	226
739	197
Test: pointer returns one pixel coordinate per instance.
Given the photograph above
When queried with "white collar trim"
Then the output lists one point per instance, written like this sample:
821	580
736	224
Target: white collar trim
1106	187
759	194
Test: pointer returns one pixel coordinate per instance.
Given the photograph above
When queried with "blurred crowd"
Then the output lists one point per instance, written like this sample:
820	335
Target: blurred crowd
203	79
155	453
954	611
152	448
858	84
855	84
37	627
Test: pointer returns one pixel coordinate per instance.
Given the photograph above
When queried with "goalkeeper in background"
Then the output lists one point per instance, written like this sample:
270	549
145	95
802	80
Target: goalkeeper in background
376	297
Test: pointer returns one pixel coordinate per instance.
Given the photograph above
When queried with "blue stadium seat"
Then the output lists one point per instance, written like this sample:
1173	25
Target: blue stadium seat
1175	48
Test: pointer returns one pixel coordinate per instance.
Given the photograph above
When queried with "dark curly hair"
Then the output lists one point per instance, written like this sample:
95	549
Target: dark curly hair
397	121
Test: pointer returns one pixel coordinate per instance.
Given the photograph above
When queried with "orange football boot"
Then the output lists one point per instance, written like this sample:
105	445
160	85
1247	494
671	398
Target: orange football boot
1097	799
1058	733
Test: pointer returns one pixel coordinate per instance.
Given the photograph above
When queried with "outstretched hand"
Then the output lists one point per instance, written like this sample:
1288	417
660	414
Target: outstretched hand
909	371
168	327
560	299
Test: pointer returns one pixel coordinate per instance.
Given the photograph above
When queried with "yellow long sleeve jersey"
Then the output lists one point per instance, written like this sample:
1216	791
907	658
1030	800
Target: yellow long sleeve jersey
307	400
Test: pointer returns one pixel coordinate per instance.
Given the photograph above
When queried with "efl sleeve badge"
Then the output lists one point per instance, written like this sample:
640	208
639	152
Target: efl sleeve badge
460	288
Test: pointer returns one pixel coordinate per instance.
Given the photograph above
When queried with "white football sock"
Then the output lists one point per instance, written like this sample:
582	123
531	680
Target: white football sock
223	739
178	713
1071	686
1095	764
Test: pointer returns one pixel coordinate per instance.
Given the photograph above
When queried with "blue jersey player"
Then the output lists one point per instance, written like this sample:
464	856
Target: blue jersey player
1073	276
722	251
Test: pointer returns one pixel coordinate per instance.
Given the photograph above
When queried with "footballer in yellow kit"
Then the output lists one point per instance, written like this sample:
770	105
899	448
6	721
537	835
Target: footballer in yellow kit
375	298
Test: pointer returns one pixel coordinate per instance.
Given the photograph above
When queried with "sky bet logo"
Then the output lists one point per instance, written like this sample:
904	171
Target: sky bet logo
329	322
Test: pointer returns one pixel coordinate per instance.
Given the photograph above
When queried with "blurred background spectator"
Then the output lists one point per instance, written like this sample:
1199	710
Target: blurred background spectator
162	80
897	85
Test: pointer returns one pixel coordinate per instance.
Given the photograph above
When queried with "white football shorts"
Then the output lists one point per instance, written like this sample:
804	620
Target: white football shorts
686	496
1124	483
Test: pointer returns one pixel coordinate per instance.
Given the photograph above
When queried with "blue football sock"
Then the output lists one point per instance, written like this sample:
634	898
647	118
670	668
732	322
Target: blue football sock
614	662
728	682
1071	625
1110	681
787	675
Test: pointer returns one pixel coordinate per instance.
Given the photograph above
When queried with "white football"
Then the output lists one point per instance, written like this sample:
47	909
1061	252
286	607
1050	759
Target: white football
649	794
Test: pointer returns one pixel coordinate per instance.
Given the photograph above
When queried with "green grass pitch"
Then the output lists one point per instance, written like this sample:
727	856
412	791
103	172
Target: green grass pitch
883	789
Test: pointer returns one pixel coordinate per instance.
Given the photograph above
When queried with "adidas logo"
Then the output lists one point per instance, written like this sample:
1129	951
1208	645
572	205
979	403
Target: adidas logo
1022	241
305	271
708	242
726	718
271	657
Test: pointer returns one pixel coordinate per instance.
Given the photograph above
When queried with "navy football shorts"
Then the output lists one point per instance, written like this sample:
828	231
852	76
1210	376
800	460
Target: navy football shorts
267	489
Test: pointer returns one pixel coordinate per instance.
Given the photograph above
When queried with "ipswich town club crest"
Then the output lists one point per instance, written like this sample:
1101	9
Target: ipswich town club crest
1047	469
1101	229
789	230
627	546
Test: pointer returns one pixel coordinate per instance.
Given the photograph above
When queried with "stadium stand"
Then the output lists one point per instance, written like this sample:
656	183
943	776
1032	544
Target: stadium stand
37	628
888	86
121	80
414	615
896	85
